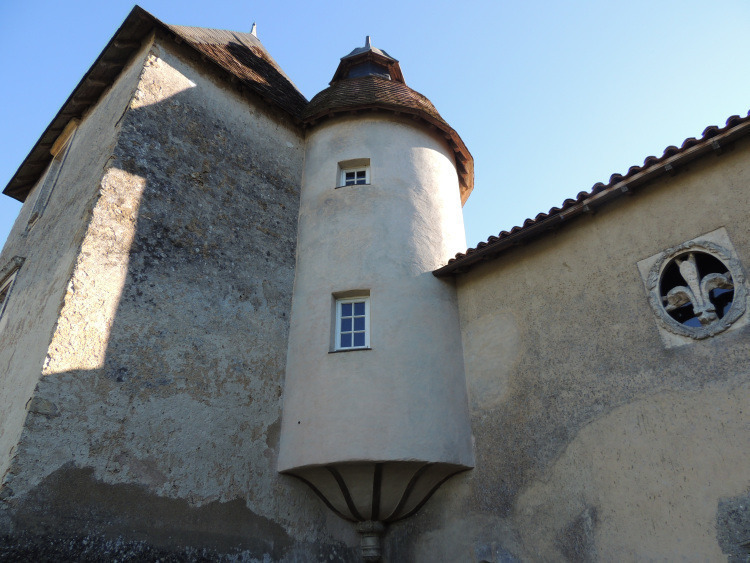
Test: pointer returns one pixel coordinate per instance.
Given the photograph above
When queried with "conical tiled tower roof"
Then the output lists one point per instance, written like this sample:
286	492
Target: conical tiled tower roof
369	79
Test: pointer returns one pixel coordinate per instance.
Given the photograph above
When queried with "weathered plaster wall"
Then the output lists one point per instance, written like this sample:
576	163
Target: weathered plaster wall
160	281
164	373
50	248
593	440
385	238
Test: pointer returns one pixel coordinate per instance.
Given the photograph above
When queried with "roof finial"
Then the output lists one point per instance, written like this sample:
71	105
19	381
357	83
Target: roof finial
254	30
368	45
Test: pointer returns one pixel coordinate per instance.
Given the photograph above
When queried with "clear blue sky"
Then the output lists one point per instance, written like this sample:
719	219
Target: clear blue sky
550	97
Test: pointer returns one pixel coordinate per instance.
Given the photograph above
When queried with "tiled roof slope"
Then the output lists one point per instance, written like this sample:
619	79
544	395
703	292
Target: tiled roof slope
368	93
240	56
369	90
244	57
713	139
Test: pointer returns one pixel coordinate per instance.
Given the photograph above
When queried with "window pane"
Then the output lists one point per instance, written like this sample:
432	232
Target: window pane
359	308
350	176
359	338
346	325
346	309
359	323
346	340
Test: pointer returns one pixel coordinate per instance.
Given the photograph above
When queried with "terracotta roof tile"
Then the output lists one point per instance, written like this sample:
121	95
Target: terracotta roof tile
712	139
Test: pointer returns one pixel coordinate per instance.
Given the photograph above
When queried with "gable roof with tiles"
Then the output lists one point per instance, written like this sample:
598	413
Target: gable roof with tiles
713	141
239	57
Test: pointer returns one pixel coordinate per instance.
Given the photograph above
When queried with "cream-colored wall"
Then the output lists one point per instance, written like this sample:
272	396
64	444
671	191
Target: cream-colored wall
405	398
594	440
51	247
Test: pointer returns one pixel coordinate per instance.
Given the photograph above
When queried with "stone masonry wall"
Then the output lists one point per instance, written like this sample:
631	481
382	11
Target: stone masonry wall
164	374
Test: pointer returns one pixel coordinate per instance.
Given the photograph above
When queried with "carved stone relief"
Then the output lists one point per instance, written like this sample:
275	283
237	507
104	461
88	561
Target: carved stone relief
696	289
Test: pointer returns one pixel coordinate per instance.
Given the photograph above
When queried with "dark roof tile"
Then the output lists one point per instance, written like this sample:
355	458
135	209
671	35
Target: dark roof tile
601	193
733	120
369	90
376	93
687	143
239	54
710	131
245	58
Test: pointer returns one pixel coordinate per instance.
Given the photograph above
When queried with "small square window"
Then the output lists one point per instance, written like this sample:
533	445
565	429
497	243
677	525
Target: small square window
355	176
352	323
355	172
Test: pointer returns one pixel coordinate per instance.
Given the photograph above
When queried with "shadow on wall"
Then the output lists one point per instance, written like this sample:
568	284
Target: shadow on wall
549	388
157	419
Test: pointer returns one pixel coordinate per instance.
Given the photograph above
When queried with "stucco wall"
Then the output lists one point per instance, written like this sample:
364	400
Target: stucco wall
50	248
149	322
163	377
385	238
594	440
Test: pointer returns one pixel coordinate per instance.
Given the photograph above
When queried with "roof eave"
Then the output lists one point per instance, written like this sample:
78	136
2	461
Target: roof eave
126	41
615	191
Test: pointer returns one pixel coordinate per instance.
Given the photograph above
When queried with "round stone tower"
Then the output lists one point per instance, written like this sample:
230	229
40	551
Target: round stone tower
375	407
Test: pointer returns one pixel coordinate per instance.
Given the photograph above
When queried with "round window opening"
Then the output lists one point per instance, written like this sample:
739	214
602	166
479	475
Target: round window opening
697	289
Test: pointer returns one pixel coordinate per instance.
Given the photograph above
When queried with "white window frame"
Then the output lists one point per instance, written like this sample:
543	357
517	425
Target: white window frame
339	306
345	171
354	165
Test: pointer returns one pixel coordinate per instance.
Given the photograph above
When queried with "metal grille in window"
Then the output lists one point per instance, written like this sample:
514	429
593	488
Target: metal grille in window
5	288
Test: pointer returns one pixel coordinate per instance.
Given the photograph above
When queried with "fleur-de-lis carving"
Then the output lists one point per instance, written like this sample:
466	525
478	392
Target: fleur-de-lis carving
698	291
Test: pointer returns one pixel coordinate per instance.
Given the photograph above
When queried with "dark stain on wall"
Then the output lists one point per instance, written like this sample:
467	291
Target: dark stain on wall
733	527
73	516
72	502
576	541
